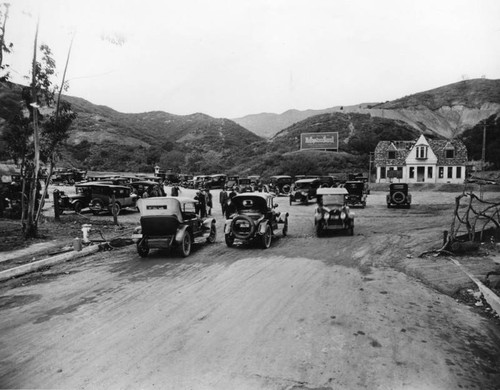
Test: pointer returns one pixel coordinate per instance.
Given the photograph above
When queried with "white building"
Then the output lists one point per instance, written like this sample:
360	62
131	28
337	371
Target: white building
421	161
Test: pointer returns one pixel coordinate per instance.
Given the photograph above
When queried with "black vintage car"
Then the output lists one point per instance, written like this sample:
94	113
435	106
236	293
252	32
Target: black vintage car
398	195
281	184
357	193
254	219
171	222
78	201
304	190
102	198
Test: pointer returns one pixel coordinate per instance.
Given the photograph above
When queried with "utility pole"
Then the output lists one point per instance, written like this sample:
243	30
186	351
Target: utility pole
483	154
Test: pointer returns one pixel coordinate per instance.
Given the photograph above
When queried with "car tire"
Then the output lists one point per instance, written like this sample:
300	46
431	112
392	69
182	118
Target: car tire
229	240
117	209
78	207
143	248
398	197
98	205
185	244
267	237
213	234
239	235
285	189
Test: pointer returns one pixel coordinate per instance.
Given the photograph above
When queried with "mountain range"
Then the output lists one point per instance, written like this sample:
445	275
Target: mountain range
104	139
446	111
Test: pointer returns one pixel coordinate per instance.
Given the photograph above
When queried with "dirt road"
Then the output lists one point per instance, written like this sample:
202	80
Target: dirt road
308	313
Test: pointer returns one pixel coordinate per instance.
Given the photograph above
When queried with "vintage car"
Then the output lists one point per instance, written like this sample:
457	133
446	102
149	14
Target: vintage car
357	193
216	181
102	198
280	184
171	222
332	212
398	195
232	181
304	190
147	189
254	219
79	200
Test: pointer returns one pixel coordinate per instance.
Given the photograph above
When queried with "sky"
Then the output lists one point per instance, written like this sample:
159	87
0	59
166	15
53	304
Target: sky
231	58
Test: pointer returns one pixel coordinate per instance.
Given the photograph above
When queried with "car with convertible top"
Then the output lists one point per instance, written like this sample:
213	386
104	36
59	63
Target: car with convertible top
171	222
254	218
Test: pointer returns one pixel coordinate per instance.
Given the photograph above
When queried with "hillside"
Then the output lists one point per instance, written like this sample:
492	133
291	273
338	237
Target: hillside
445	111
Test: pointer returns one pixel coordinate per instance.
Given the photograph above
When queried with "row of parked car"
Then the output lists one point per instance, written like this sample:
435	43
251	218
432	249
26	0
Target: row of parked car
97	193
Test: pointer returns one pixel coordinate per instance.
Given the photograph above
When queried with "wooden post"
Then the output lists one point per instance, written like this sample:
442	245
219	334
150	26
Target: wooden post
113	209
56	205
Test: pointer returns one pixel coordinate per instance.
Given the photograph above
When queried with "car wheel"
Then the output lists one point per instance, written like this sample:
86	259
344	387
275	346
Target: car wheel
78	207
398	197
229	240
267	237
116	209
285	228
285	189
239	219
142	248
97	206
213	234
185	246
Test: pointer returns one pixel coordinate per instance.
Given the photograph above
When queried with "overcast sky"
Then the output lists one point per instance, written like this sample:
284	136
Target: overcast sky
230	58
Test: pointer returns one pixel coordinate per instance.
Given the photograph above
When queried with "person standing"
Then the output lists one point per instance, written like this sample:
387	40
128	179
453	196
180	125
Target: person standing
223	196
202	203
208	196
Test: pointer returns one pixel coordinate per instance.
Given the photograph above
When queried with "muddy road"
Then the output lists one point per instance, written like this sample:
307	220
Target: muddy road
331	313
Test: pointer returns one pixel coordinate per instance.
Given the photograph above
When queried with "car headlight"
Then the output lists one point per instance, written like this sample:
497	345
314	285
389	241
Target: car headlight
343	215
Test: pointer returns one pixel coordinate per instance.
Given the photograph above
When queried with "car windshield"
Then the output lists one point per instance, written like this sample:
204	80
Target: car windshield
333	200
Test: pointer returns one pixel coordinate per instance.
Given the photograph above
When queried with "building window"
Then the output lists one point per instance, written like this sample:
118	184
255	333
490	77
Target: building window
450	153
382	172
412	172
441	172
450	172
459	172
391	155
422	152
429	172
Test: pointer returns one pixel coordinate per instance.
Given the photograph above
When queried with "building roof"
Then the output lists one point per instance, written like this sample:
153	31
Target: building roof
402	150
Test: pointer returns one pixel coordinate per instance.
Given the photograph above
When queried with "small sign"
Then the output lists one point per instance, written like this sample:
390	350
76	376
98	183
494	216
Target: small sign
328	141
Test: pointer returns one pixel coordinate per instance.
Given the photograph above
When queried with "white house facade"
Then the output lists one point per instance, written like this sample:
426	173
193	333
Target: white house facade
421	161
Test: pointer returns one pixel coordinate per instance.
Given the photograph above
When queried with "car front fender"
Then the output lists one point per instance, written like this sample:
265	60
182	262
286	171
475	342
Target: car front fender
227	226
207	223
180	234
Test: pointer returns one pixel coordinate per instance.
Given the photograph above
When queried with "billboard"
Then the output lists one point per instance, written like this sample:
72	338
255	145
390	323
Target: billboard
319	141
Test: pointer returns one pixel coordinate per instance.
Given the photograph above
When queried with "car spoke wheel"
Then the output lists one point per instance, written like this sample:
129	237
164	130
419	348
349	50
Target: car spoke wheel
142	248
115	210
229	240
213	234
185	247
78	207
267	237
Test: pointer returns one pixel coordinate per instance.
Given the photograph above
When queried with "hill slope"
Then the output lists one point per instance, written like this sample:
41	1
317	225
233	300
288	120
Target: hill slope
446	111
